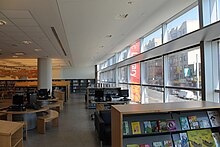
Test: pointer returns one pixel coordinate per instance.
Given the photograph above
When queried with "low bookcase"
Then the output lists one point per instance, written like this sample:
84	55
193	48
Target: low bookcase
165	124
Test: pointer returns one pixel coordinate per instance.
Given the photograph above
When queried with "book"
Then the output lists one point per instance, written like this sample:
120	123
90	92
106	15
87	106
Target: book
132	145
177	143
162	126
135	126
125	128
168	143
171	125
144	145
147	127
214	118
216	138
201	138
184	123
193	123
154	126
204	123
184	140
157	144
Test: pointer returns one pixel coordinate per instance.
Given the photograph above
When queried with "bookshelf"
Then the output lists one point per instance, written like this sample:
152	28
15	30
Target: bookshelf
79	86
159	112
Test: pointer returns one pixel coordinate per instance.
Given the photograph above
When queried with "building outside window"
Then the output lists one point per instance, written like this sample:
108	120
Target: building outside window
185	74
184	24
123	75
152	81
123	54
152	40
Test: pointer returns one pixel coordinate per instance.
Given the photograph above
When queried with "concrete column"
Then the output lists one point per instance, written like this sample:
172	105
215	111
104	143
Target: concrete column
44	66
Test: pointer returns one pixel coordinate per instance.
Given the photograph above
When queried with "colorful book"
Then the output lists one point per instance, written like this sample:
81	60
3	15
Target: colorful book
162	126
204	123
177	143
125	128
132	145
171	125
193	123
168	143
147	127
184	140
184	123
201	138
214	118
135	126
216	138
154	126
157	144
144	145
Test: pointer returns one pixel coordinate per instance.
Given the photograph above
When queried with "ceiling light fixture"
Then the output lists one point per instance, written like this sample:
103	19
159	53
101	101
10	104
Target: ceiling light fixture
130	2
108	36
2	22
37	49
19	53
121	16
27	42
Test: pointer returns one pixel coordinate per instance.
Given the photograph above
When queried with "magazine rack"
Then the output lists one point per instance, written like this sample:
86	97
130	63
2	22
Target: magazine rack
175	111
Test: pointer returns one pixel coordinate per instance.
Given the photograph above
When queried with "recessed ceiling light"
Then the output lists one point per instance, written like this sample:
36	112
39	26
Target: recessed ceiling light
27	42
108	36
130	2
15	56
102	46
37	49
19	54
2	22
121	16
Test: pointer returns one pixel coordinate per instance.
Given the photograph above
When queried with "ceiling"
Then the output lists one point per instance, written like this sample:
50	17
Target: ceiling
76	32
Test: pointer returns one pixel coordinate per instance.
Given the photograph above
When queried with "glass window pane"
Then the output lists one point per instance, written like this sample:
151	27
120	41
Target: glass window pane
182	25
135	93
123	86
152	40
134	73
184	68
152	94
123	74
153	72
180	95
135	49
123	54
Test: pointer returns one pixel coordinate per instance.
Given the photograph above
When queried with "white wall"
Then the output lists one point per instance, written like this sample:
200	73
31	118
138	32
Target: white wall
78	73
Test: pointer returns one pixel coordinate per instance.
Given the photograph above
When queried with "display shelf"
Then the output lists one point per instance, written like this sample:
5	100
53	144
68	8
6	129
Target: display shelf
167	112
79	86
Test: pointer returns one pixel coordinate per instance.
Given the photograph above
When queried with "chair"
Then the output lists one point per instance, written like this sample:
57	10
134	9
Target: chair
103	126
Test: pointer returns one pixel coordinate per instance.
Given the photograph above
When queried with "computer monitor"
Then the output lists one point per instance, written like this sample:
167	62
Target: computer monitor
42	93
99	94
124	93
32	98
18	100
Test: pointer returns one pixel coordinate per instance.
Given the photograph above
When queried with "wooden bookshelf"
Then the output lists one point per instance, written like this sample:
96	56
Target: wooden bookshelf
155	111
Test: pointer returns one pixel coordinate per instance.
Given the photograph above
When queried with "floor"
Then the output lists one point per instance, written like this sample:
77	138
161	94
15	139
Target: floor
76	129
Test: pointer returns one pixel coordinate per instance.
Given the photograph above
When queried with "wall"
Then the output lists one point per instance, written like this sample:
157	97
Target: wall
78	73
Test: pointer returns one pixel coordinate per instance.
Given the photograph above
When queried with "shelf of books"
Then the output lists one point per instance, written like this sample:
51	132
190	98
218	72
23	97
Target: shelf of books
177	124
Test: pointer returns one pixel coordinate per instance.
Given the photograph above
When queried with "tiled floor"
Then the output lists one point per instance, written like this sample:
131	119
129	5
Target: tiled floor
76	129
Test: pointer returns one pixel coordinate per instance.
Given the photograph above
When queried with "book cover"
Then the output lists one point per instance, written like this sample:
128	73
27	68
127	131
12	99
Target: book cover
184	123
125	128
214	118
216	138
201	138
171	125
154	126
177	143
193	123
184	140
168	143
132	145
136	128
162	125
204	124
157	144
147	127
144	145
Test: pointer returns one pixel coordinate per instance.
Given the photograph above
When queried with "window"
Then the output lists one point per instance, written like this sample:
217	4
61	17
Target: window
152	40
135	93
135	49
211	11
134	73
152	94
123	74
186	73
182	25
152	73
123	54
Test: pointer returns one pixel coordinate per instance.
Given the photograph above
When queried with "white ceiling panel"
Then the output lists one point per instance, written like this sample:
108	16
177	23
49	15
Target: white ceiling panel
25	22
17	13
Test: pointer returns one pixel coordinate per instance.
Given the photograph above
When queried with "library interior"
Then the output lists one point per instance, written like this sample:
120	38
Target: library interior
127	73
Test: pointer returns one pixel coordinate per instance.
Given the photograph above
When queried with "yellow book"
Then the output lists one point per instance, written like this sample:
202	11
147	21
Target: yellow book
135	126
